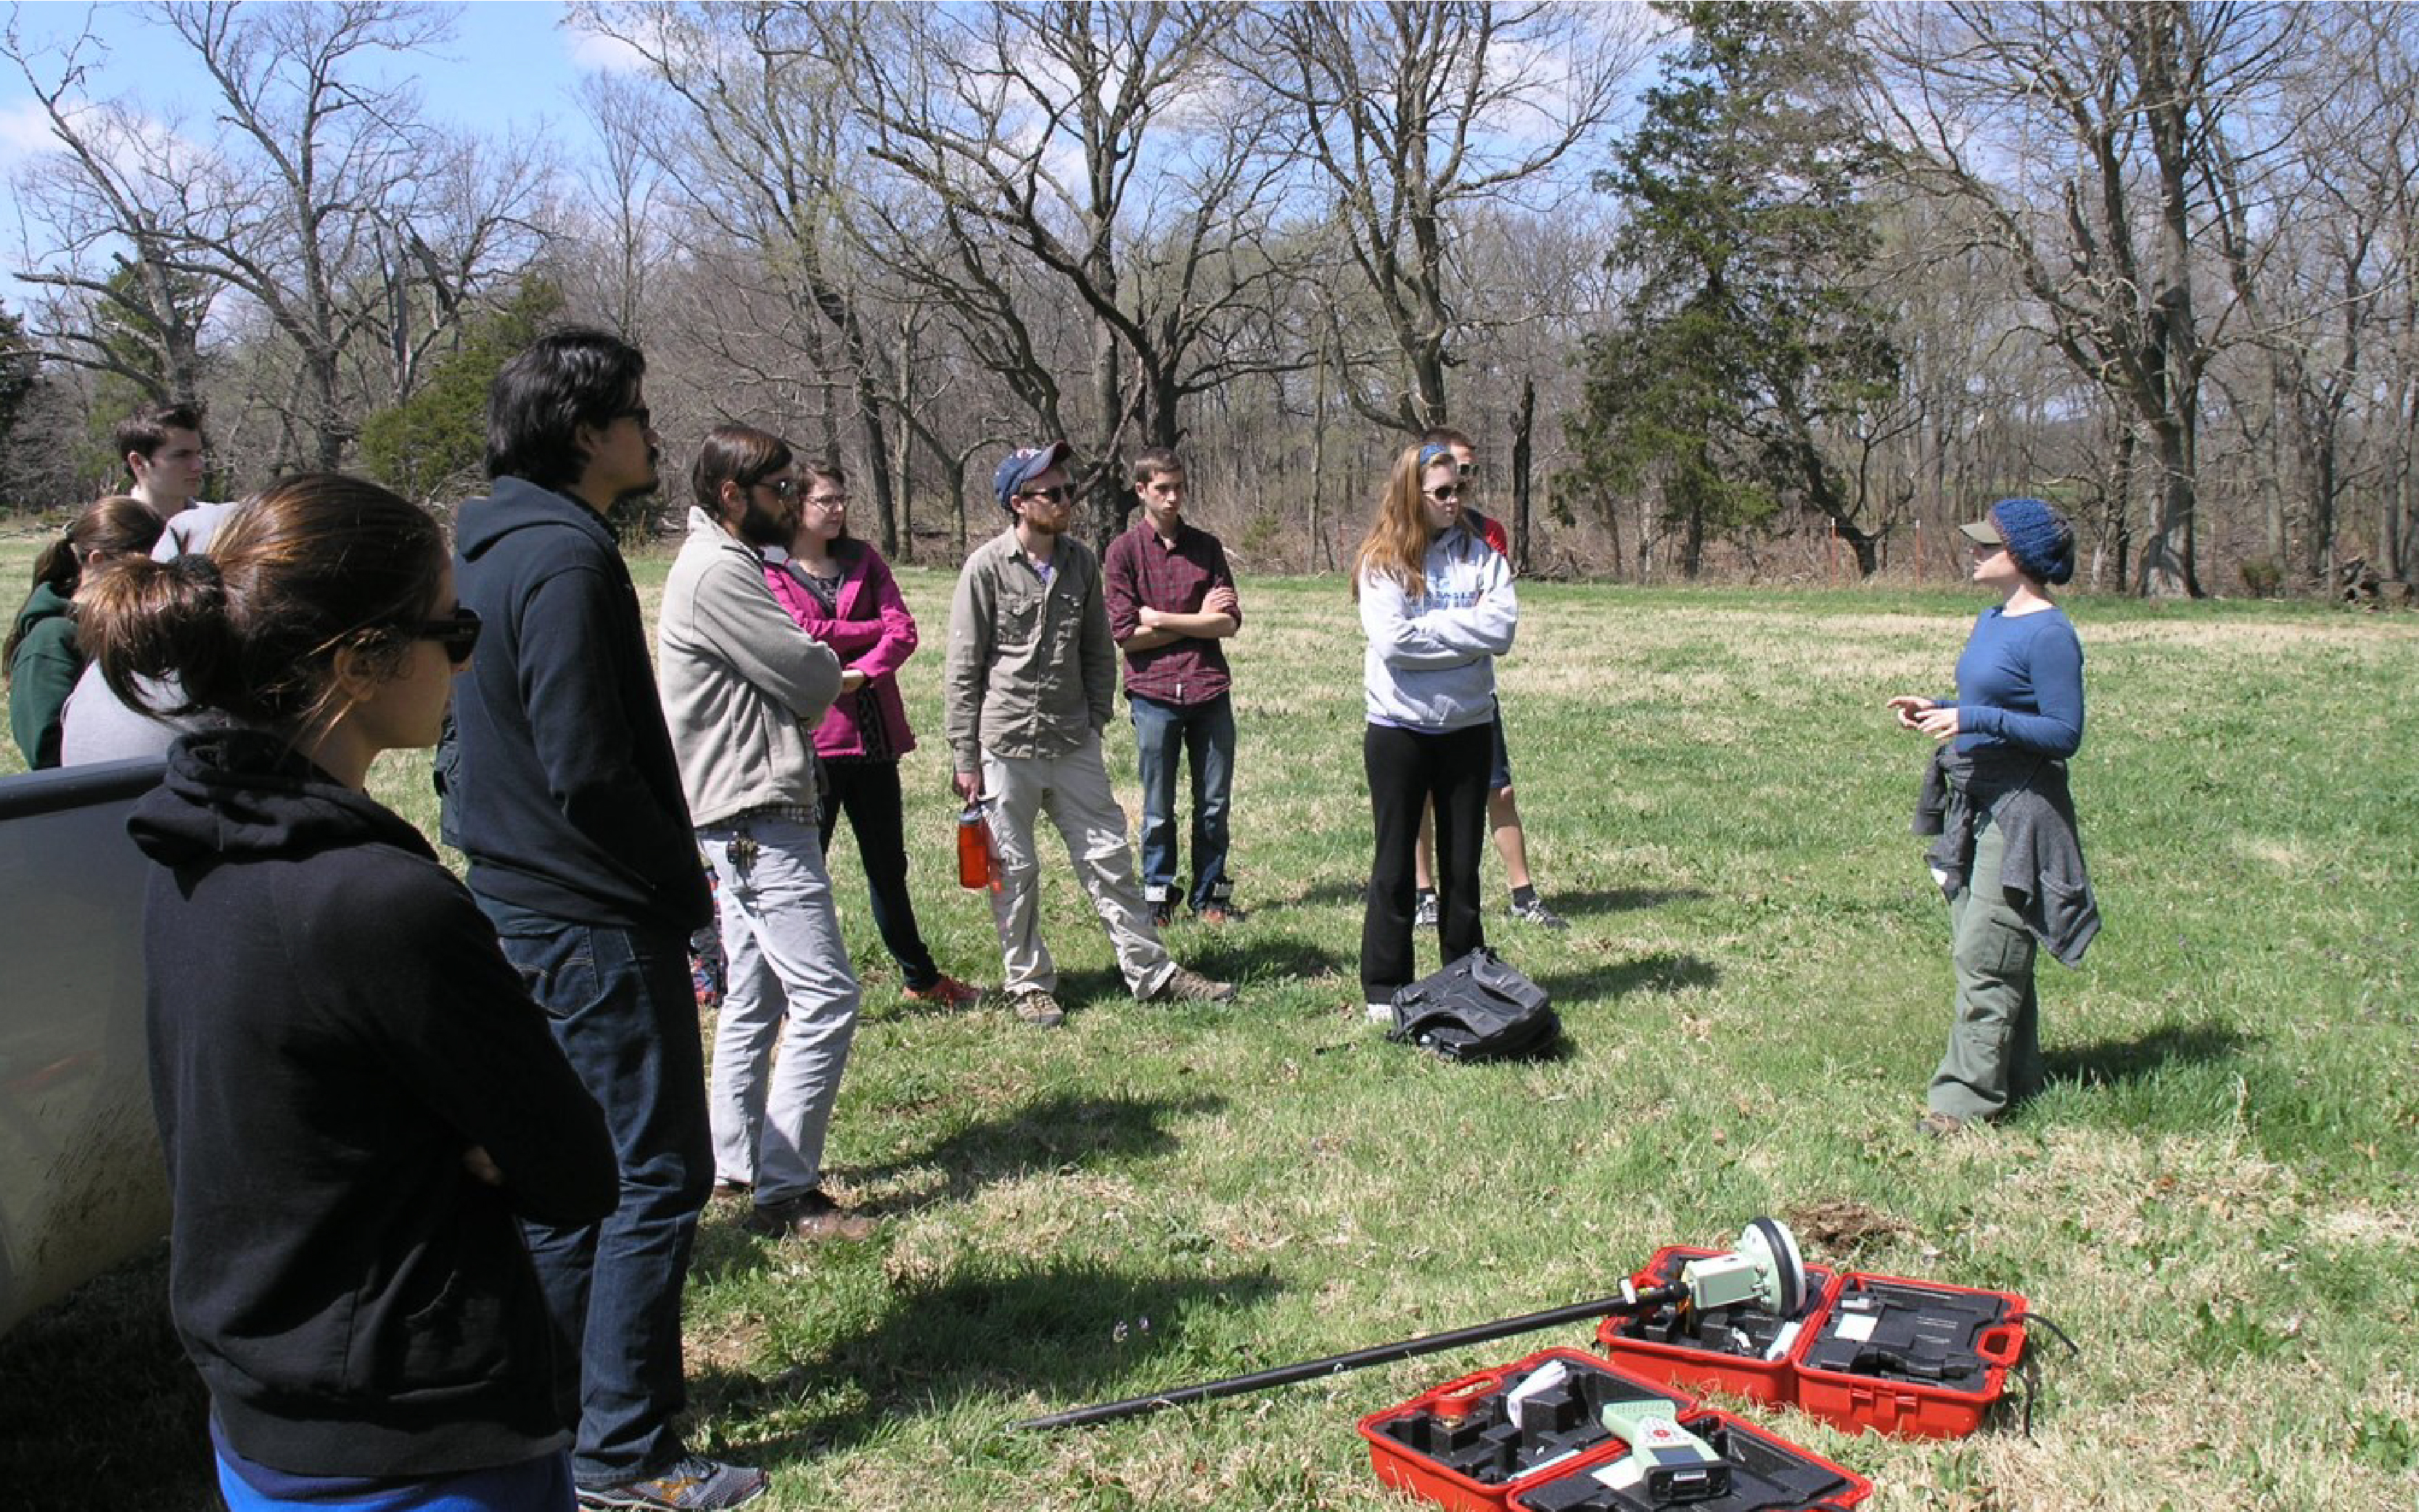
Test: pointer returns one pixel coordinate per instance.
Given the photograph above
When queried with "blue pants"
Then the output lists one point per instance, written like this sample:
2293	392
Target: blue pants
541	1485
1202	734
623	1009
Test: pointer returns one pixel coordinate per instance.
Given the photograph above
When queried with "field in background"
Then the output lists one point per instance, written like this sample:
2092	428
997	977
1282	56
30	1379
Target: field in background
2214	1197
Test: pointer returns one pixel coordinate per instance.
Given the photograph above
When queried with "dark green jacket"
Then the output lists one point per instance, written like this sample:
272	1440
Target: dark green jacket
43	673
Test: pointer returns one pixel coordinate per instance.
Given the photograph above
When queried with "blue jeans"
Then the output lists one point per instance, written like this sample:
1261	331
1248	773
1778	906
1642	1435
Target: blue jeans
623	1012
1206	733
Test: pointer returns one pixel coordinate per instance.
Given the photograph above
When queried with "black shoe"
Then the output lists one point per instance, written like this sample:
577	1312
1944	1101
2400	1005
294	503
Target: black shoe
1163	914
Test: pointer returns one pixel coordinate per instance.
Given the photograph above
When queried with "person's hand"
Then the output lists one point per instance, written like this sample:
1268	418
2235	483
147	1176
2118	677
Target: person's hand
969	784
482	1165
1905	707
1221	600
1146	617
851	680
1938	721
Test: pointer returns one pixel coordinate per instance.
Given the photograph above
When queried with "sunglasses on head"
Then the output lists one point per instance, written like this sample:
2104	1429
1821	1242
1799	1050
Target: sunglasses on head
458	634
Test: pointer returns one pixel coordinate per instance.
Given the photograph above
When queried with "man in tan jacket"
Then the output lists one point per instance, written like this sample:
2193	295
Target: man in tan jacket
1031	684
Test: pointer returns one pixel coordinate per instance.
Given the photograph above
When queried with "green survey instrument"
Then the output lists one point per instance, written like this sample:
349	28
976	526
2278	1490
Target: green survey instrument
1670	1463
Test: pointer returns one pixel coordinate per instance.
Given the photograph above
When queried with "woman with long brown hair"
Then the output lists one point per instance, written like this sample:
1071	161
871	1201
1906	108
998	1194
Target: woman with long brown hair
358	1100
42	656
1438	606
841	592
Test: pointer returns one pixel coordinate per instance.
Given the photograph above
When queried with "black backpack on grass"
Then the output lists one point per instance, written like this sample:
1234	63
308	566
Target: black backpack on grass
1476	1008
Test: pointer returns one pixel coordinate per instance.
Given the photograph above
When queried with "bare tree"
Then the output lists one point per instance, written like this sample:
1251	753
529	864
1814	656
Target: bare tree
1409	115
2089	136
1096	155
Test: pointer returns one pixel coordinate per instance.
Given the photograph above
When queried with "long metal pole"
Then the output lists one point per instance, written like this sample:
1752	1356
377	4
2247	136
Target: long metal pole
1338	1363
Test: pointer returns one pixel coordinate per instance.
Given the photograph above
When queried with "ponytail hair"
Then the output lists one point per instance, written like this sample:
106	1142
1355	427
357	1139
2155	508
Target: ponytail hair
117	526
315	565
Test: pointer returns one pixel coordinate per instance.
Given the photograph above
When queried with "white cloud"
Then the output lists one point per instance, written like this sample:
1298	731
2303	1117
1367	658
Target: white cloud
594	52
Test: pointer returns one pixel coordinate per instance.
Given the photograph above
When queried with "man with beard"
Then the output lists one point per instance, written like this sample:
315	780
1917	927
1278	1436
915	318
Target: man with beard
561	786
1031	680
744	689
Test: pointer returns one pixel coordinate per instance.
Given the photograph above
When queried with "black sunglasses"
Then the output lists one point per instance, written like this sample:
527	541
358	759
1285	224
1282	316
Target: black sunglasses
458	634
1058	495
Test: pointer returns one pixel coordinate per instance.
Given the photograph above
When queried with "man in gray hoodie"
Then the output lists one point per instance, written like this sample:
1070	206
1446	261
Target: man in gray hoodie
743	688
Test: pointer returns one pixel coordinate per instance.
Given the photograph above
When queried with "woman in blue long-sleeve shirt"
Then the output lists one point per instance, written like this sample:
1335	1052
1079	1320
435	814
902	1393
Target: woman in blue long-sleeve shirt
2008	857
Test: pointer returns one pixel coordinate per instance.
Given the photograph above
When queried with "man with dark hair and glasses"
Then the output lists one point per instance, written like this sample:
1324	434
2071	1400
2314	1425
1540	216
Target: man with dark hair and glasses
561	786
1031	684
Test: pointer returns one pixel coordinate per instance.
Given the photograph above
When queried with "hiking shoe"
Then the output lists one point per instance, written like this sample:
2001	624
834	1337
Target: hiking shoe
1218	912
696	1484
725	1188
814	1218
1536	912
1940	1125
1183	986
1163	913
1035	1007
947	993
1424	911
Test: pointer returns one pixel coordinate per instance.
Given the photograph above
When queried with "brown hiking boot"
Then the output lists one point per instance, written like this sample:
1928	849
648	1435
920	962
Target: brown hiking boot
1035	1007
815	1218
1183	986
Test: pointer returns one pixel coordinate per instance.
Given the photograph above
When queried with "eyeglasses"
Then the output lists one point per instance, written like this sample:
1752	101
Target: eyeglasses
458	634
1057	495
780	487
828	501
1450	490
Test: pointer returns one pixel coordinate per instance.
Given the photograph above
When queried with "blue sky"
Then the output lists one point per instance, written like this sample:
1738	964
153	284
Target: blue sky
510	67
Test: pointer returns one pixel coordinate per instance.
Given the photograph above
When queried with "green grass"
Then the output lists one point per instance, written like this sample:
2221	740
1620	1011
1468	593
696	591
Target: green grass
2213	1197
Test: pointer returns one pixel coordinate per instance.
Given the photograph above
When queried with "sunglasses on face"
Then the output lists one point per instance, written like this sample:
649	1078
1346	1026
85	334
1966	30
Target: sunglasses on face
780	487
458	633
1058	495
1449	492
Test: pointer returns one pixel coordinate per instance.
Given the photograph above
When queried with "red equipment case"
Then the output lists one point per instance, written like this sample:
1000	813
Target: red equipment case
1458	1446
1849	1371
1768	1475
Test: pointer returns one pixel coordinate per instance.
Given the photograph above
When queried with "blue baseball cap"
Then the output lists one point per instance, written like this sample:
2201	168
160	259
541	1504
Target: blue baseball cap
1021	466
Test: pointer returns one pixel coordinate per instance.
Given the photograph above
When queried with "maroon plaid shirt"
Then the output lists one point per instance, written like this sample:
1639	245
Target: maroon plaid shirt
1141	569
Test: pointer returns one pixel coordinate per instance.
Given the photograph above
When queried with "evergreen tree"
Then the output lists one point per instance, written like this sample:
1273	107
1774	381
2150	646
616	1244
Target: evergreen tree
1745	346
433	446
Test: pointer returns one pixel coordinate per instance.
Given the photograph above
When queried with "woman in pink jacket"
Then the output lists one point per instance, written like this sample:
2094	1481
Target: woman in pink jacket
841	592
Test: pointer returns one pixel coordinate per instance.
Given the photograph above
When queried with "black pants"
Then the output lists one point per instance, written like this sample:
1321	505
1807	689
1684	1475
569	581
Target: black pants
1409	770
867	791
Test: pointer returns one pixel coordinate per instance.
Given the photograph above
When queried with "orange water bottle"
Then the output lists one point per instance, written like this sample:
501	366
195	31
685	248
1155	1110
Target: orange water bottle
975	869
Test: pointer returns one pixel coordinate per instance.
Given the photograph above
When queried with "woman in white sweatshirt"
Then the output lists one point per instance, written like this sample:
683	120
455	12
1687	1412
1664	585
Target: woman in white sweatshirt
1438	606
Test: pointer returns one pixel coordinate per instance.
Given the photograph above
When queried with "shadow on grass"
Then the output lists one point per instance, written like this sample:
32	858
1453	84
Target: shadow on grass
1663	972
1069	1333
1591	902
2105	1062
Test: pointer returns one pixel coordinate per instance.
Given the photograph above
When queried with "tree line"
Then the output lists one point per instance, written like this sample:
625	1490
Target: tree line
1773	290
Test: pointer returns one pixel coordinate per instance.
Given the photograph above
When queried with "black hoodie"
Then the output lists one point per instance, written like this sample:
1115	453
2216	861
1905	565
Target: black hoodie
559	778
332	1025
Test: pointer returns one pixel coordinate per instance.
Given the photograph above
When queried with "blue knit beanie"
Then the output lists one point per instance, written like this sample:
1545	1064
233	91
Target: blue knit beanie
2038	536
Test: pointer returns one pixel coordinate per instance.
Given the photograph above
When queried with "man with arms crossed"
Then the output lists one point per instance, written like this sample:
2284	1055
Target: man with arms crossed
560	784
1030	685
1171	602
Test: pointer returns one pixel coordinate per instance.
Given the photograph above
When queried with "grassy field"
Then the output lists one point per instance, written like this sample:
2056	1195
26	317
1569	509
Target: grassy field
2214	1197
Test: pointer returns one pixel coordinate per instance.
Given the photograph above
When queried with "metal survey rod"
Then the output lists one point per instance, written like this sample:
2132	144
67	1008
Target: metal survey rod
1378	1354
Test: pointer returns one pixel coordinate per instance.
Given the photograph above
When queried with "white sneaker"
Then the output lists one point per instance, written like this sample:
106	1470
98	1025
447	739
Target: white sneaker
1380	1013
